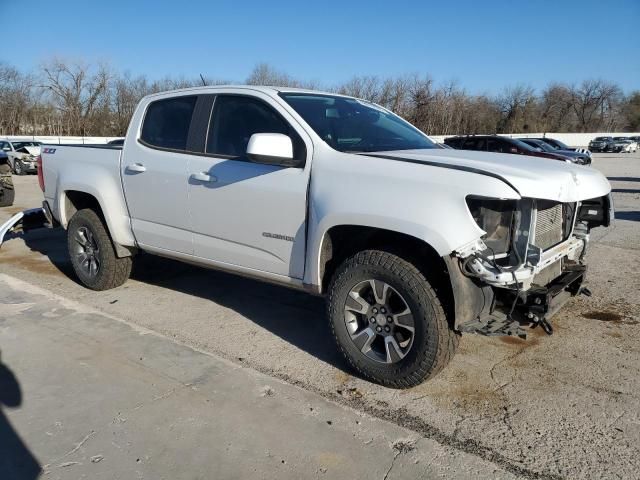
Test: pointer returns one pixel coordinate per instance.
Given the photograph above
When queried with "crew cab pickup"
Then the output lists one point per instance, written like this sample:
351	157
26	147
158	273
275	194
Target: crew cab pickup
411	244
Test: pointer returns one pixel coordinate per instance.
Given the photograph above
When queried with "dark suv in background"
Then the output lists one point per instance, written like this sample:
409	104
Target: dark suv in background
602	144
558	145
576	157
496	143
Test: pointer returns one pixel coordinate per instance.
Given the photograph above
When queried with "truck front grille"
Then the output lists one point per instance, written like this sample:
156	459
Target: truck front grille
549	225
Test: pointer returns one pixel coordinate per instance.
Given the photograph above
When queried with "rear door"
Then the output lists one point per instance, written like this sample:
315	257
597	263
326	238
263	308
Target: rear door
249	214
155	175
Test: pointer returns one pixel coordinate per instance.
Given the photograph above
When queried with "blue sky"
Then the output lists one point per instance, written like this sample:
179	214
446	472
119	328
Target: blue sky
483	45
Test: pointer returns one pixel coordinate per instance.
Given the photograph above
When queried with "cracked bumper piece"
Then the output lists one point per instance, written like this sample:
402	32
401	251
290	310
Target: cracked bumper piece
504	278
28	219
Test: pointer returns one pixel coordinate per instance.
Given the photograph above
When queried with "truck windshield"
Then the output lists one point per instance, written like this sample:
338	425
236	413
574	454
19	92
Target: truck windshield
351	125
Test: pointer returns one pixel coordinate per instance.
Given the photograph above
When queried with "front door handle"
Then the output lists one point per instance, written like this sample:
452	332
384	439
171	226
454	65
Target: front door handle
203	177
136	168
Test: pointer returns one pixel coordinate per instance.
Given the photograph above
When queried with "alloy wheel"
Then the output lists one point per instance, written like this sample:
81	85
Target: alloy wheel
379	321
86	251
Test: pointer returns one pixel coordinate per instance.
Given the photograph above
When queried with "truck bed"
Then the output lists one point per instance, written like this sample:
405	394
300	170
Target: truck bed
90	169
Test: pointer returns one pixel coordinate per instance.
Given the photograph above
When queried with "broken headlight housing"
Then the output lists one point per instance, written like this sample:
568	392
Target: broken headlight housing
495	216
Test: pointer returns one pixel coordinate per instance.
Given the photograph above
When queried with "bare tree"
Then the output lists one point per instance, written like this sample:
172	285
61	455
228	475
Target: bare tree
73	98
593	101
515	104
15	98
77	91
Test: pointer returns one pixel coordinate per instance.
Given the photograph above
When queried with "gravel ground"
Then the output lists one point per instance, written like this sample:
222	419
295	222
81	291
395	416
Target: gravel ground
560	406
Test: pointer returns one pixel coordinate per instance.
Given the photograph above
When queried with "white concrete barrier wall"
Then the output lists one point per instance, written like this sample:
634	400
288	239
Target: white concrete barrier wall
571	139
576	140
58	140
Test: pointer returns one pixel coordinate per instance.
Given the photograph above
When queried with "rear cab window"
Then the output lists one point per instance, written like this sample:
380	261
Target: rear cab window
166	123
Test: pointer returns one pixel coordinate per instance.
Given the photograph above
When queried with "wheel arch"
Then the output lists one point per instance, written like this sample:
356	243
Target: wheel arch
341	241
72	201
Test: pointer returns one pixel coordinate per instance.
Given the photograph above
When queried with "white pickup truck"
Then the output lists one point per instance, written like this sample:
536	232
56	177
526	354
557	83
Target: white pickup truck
411	244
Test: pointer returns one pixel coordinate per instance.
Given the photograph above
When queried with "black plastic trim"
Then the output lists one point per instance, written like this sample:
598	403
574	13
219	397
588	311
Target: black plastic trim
102	146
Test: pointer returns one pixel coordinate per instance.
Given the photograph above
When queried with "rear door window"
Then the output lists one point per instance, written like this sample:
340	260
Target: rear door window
167	122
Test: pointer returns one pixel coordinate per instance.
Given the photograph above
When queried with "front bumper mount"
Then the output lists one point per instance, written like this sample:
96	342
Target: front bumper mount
534	307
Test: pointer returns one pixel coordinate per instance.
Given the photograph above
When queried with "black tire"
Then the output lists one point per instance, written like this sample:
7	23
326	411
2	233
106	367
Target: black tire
7	191
18	167
112	271
434	342
7	196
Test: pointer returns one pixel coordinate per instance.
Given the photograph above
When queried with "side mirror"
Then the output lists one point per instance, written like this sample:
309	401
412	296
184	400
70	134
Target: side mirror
271	149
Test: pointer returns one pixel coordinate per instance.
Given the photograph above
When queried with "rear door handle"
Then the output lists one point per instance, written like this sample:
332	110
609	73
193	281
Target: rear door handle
136	168
203	177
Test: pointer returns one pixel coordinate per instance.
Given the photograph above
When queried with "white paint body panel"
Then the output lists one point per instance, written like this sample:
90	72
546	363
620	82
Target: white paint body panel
223	222
94	171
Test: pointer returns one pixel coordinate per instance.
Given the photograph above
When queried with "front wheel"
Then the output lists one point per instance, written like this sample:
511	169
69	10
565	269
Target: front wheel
92	253
18	167
388	321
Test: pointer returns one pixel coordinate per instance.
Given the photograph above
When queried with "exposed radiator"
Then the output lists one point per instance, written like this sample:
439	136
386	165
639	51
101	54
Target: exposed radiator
549	226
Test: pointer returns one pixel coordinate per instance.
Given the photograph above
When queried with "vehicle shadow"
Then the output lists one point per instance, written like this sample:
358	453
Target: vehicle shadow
16	460
296	317
631	216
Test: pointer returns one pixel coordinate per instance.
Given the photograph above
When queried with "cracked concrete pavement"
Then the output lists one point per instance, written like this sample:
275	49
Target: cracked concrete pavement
103	398
565	405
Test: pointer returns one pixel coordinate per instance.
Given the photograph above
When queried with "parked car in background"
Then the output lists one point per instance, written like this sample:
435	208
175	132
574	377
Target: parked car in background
22	155
576	157
7	192
496	143
558	145
602	144
624	145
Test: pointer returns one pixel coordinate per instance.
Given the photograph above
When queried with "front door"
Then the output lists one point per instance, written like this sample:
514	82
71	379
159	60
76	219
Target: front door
244	213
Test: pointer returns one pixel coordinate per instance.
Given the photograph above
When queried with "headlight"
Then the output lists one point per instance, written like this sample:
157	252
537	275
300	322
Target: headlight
495	217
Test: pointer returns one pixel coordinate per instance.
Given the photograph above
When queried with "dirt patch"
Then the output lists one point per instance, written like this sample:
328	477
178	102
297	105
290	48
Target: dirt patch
12	210
604	316
613	334
521	343
32	264
611	317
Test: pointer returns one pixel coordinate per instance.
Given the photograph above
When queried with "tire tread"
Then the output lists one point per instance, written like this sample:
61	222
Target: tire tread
447	340
115	271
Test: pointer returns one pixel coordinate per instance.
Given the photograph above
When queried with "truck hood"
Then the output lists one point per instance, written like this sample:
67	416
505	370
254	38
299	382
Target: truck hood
532	177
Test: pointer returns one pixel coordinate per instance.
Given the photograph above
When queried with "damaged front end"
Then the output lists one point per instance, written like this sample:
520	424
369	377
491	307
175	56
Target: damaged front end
526	266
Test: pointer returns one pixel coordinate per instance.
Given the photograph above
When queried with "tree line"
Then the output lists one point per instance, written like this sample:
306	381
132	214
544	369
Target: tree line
77	98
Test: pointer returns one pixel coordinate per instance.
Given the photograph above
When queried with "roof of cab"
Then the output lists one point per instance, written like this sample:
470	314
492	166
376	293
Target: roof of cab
258	88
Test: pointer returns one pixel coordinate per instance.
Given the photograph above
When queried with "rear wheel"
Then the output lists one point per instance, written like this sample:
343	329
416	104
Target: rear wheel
93	254
388	321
